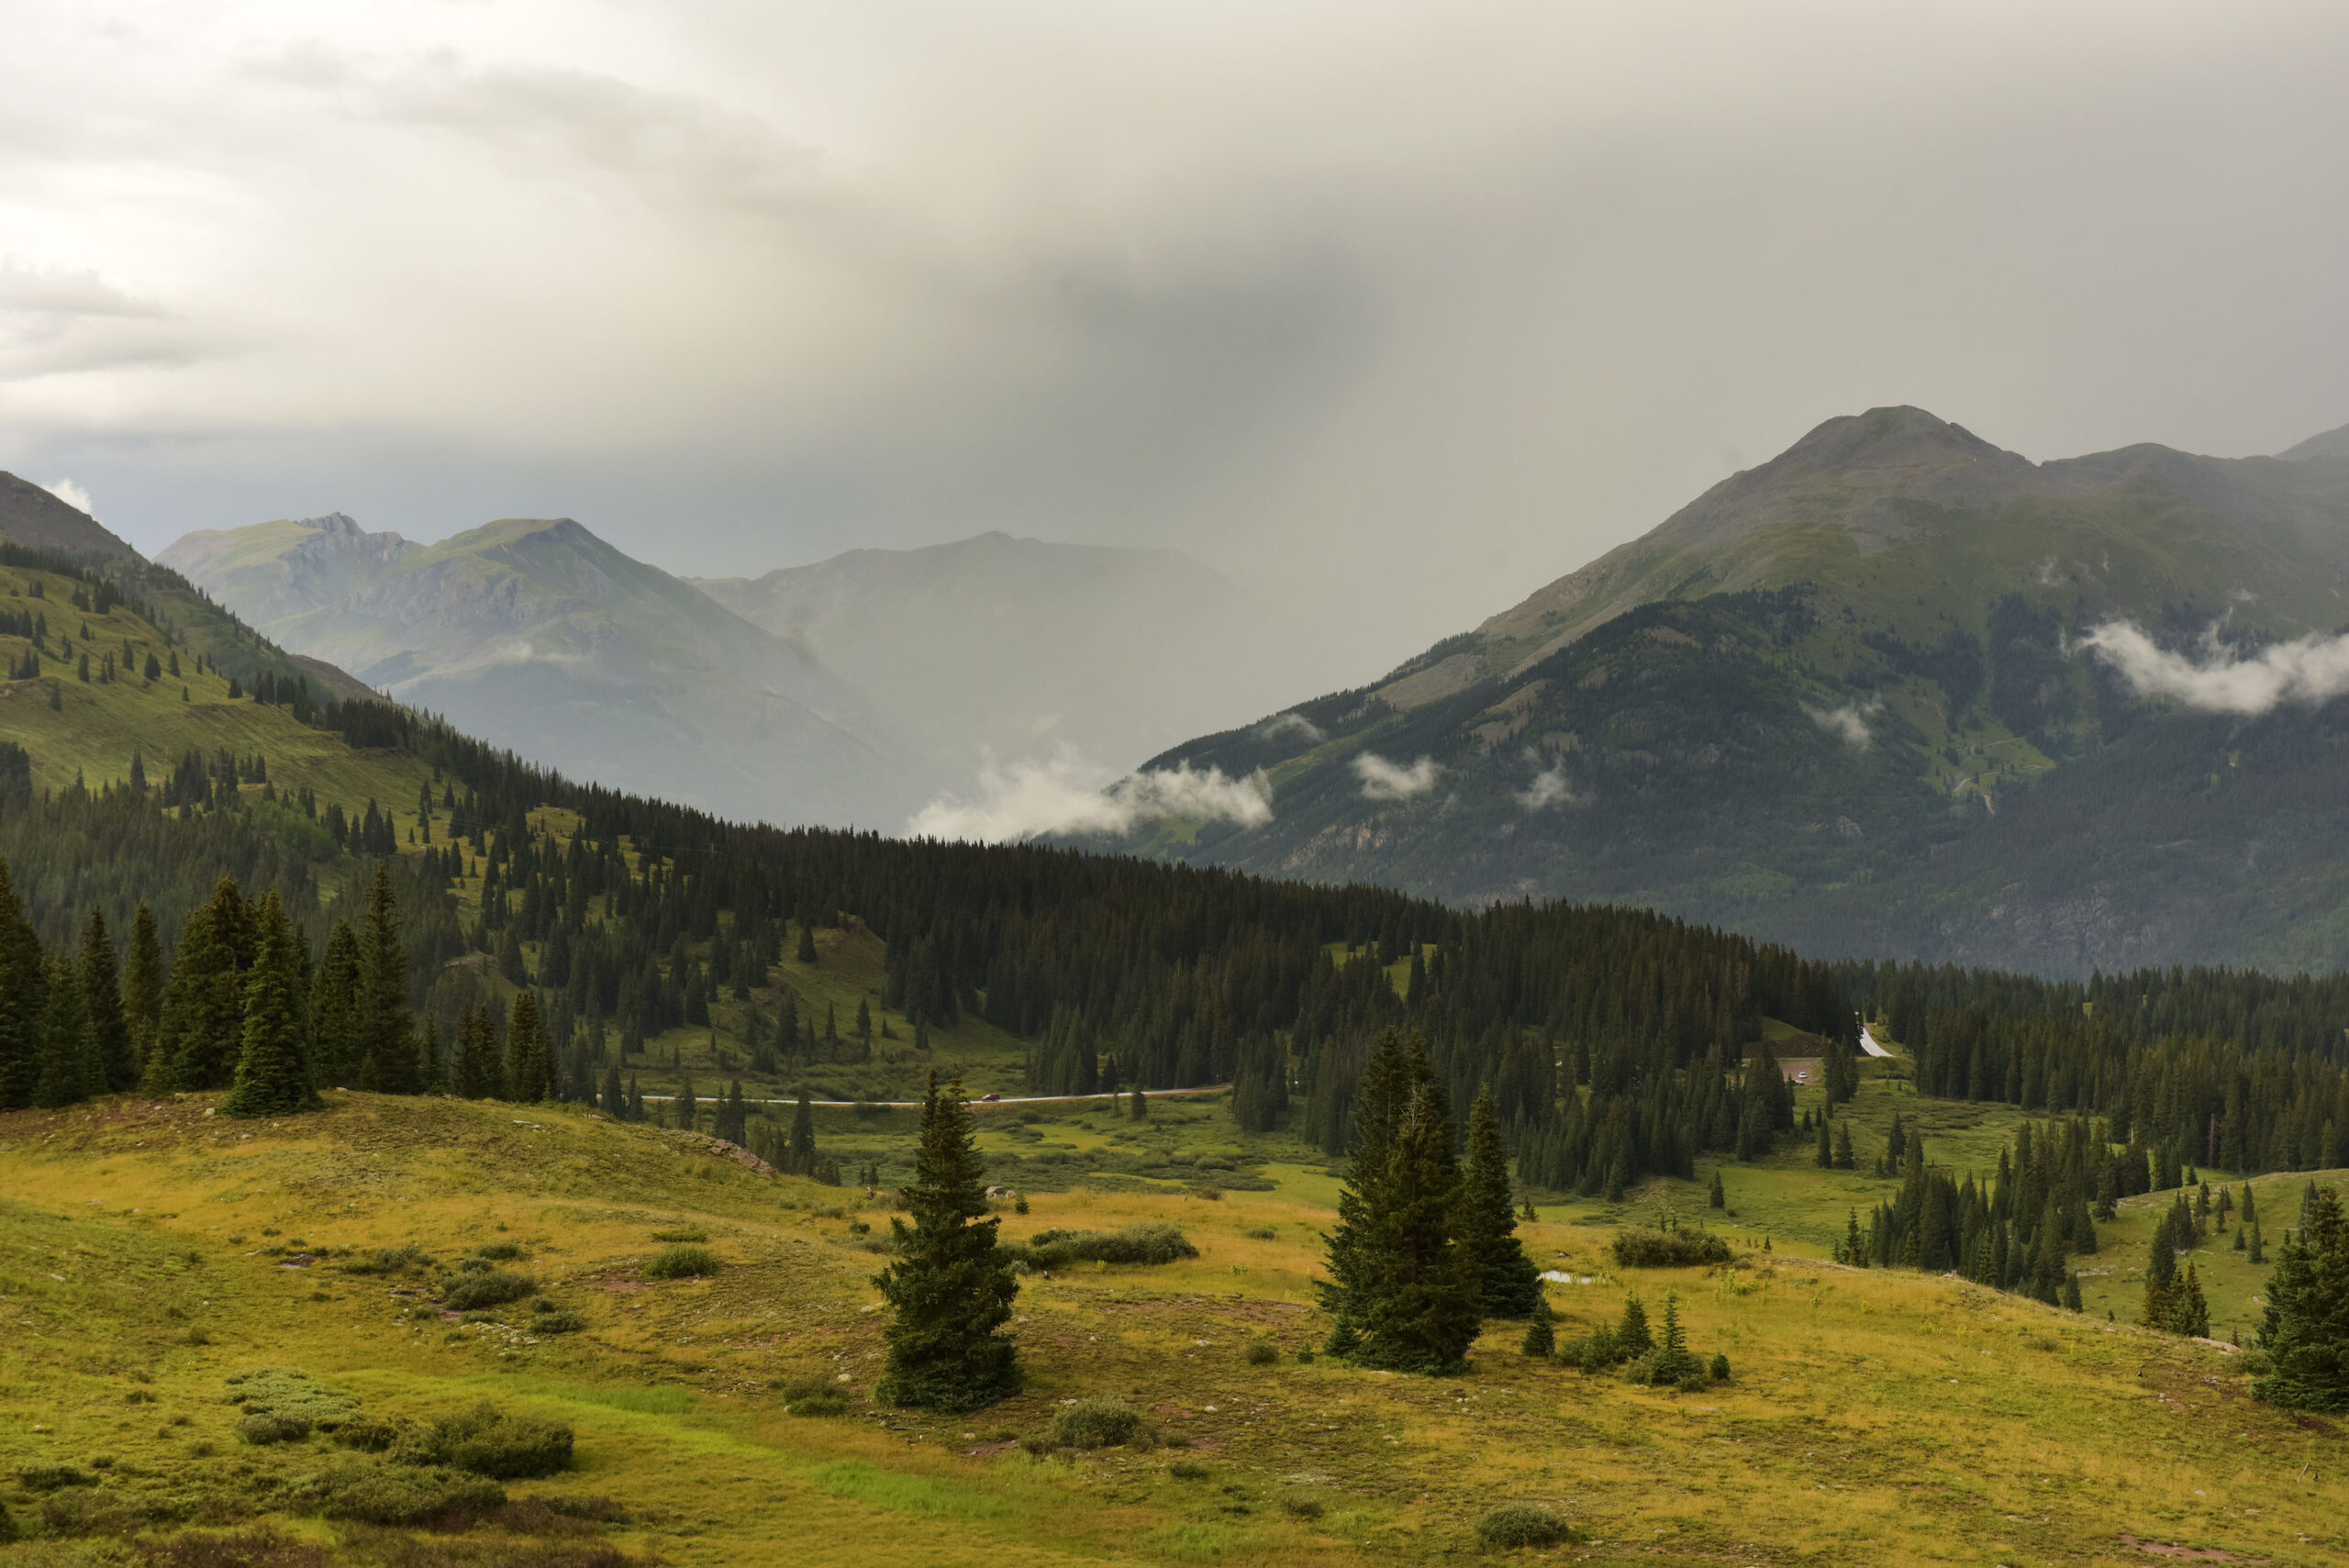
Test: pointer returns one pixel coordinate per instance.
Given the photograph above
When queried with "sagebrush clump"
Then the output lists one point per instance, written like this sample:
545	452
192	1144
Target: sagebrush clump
1095	1423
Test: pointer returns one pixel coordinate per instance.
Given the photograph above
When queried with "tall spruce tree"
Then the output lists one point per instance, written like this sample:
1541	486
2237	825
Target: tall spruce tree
613	1102
803	1138
336	1034
950	1290
113	1065
530	1055
204	1007
142	986
2305	1328
1509	1284
387	1035
1404	1291
64	1053
481	1072
272	1076
24	983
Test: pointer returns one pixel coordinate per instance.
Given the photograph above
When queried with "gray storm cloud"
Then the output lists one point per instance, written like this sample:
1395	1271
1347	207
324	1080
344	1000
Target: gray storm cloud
2307	671
1036	800
743	285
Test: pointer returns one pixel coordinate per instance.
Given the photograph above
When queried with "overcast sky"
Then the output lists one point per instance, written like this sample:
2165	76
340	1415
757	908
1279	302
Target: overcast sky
1394	311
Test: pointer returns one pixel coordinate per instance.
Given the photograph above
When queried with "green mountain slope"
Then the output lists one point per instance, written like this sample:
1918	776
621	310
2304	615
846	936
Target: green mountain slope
579	657
1015	647
1839	695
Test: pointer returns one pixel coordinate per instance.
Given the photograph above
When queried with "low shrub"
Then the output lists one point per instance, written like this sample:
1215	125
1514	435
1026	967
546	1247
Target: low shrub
371	1436
387	1260
1264	1352
78	1512
263	1427
682	1262
1095	1423
812	1394
683	1233
485	1441
1261	1233
488	1287
378	1493
1669	1249
1521	1524
50	1477
1303	1508
1720	1369
559	1321
1134	1244
261	1547
290	1394
1188	1470
498	1251
1304	1356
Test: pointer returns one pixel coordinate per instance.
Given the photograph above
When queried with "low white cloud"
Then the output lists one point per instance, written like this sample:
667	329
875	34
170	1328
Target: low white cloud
2308	670
1383	780
72	495
1849	721
1032	799
1550	787
1282	724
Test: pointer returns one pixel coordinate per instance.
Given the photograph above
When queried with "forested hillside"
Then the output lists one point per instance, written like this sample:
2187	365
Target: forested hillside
532	934
1845	700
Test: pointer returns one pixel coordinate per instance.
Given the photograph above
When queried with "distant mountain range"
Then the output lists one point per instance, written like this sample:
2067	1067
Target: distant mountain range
850	692
1895	691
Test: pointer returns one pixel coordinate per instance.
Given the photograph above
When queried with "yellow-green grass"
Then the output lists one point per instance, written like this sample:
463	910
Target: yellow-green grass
98	726
1874	1416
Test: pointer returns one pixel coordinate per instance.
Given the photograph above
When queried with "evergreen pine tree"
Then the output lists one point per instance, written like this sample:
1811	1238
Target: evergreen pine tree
634	1100
2305	1328
1826	1161
64	1051
203	1026
272	1075
1673	1360
1508	1282
337	1050
2189	1313
806	953
2072	1292
1633	1337
614	1099
386	1034
1137	1107
22	993
1718	1197
688	1113
1845	1160
950	1289
1541	1339
142	987
530	1055
481	1071
113	1065
803	1137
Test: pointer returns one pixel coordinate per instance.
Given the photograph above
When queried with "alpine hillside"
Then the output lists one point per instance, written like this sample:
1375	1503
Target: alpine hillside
1849	698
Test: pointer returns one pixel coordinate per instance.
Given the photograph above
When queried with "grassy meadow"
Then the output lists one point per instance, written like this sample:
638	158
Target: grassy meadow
148	1250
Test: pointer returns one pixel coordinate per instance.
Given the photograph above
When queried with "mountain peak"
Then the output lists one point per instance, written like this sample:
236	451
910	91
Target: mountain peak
2333	443
1897	437
34	517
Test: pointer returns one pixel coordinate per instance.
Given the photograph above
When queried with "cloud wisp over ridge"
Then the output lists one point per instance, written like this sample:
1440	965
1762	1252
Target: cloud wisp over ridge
2308	670
1036	800
1849	721
1383	780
